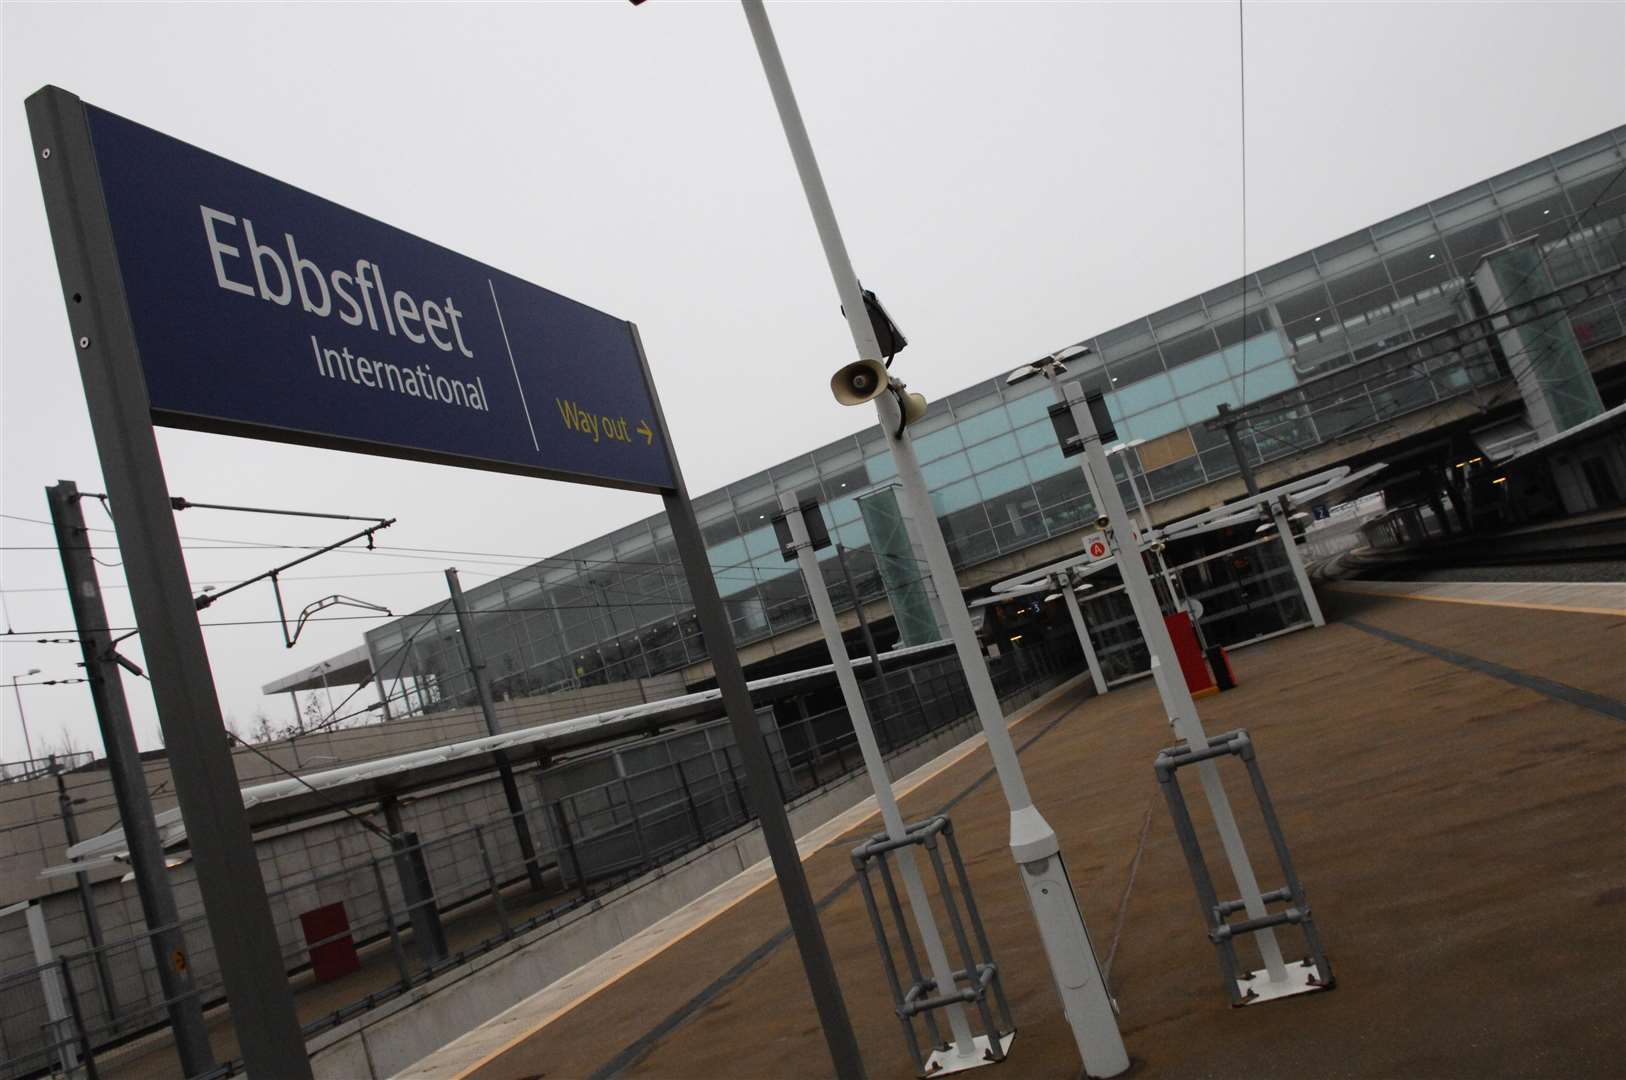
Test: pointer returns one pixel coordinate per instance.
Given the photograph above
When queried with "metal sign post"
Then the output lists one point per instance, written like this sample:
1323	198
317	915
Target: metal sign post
206	787
202	294
1034	847
1076	613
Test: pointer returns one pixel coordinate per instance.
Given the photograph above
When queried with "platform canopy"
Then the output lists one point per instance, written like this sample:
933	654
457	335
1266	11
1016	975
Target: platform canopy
351	668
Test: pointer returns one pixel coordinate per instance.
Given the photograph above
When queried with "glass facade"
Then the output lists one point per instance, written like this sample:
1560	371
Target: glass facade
617	608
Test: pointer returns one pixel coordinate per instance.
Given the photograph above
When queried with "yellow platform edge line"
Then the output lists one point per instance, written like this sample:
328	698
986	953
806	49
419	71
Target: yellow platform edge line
1573	609
945	761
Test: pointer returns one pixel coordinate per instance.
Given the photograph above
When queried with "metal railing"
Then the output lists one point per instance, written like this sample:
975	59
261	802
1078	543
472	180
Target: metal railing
474	895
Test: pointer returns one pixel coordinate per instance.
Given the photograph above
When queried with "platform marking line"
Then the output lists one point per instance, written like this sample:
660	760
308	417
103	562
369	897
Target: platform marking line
1568	609
706	908
1613	708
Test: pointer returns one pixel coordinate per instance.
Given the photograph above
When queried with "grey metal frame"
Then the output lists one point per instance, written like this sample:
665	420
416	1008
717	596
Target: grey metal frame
978	975
1217	913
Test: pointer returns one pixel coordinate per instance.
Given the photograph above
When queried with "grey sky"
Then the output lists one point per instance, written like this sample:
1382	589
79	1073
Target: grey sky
1009	178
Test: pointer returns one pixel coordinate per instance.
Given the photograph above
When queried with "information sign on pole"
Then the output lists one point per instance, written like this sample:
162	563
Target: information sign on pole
204	295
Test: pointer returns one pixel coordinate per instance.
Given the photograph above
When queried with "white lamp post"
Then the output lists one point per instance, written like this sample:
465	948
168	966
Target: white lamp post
27	743
1085	1002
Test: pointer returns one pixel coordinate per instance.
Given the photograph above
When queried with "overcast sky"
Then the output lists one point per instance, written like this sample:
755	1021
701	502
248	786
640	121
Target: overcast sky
1010	178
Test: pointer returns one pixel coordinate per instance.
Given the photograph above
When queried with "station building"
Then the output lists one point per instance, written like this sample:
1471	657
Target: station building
1315	349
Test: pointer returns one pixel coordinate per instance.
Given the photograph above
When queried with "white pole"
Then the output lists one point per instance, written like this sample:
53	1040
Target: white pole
1146	524
1085	1002
1171	683
964	1043
1076	612
1296	561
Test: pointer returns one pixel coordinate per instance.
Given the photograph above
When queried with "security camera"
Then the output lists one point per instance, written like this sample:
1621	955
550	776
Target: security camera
1103	522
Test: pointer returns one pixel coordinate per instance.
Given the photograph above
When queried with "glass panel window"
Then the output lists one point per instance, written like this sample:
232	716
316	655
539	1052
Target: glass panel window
995	452
1468	243
946	471
1005	478
955	497
1135	368
1204	404
1419	269
1033	406
1151	424
1035	437
1306	313
1254	353
1272	379
984	425
1251	323
845	481
1145	394
1361	289
1048	462
1189	348
880	468
938	443
1194	376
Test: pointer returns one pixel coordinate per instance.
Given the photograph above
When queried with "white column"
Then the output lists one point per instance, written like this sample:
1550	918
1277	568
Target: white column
937	960
1171	683
1076	612
1295	559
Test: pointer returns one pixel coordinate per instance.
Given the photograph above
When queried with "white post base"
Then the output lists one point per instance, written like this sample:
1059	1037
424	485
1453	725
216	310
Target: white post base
943	1062
1257	988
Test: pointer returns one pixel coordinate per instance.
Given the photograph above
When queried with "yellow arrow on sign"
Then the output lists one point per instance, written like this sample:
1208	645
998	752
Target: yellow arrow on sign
643	429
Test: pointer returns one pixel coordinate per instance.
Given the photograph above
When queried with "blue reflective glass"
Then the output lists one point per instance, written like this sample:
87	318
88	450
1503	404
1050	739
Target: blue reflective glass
1036	437
1199	373
1256	352
1152	423
984	425
938	443
1005	478
1031	408
996	452
842	510
880	467
726	554
1115	408
1048	462
852	534
955	497
760	541
1205	403
946	471
1269	380
1145	394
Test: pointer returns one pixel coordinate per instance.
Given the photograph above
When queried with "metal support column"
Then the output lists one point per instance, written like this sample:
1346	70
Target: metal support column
763	778
417	890
1243	465
964	1051
1075	611
1166	673
1295	559
488	709
102	662
206	786
858	609
87	902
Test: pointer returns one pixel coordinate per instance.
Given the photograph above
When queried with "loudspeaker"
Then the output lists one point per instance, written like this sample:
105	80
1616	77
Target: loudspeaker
858	382
914	407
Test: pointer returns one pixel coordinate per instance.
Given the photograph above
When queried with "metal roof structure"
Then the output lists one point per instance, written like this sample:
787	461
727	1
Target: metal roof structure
330	790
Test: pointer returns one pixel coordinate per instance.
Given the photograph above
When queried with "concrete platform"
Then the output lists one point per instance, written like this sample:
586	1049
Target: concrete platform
1450	779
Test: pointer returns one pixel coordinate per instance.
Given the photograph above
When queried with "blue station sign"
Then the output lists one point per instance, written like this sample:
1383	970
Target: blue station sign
263	310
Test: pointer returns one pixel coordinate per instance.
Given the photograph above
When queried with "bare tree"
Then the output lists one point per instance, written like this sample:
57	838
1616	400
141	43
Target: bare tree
261	731
64	745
